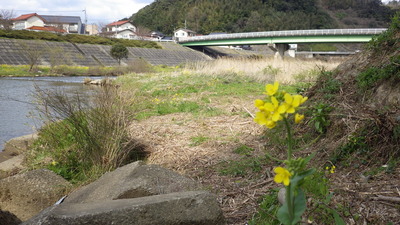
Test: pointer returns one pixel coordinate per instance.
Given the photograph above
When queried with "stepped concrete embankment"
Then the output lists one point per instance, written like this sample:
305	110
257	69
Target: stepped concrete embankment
14	52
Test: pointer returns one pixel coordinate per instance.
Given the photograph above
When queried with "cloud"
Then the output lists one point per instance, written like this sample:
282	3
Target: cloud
100	11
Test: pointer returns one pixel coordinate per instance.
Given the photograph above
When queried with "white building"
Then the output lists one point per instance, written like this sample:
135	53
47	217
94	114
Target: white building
184	33
64	24
121	29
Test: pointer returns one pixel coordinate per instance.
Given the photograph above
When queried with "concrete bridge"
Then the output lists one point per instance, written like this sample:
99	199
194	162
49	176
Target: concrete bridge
280	40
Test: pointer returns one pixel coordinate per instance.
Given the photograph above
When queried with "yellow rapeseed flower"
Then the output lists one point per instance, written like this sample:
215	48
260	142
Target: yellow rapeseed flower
260	118
259	104
264	119
271	89
298	118
282	176
275	109
333	169
292	102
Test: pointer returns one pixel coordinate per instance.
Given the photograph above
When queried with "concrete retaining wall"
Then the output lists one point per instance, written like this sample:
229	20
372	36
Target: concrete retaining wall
14	52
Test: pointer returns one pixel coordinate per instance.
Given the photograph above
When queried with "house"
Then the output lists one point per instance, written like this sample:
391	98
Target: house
184	33
69	24
92	29
120	29
27	20
157	35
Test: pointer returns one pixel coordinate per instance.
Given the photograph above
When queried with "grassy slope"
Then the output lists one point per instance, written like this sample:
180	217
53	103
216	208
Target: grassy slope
200	125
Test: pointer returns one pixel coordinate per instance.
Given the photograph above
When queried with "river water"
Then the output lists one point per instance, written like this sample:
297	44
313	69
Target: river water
17	109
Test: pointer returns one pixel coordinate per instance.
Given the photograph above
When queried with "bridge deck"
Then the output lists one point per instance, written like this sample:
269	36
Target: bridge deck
286	36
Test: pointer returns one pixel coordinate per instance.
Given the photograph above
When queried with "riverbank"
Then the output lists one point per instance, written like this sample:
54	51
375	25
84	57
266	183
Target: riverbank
64	70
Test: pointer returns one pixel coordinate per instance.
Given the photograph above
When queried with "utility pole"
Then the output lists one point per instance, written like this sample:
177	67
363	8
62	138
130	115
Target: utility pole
84	30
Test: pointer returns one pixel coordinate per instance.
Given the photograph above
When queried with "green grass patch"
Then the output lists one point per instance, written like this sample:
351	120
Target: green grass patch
190	93
355	149
66	70
198	140
373	75
242	167
75	38
243	150
266	213
328	85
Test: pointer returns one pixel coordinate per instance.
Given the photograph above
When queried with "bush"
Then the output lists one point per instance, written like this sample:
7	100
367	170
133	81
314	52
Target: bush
372	75
75	38
83	138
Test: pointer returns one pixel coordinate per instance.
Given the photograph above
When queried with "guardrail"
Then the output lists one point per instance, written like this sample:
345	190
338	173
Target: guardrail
284	33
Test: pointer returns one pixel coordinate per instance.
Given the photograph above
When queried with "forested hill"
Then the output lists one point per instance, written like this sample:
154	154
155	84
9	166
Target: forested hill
206	16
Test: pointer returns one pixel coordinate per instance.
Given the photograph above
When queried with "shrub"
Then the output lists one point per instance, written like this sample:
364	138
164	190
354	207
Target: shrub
118	52
372	75
75	38
83	138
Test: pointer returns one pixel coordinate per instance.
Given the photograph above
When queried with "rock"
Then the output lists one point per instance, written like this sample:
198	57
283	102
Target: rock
132	181
11	166
19	144
184	208
282	195
13	148
8	218
28	193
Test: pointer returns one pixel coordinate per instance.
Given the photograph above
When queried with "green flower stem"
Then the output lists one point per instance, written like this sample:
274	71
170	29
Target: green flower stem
290	202
289	198
290	139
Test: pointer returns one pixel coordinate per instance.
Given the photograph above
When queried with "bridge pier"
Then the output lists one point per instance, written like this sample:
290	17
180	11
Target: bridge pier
279	49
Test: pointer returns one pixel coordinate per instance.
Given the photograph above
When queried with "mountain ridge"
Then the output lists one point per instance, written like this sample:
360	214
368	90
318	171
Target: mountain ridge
207	16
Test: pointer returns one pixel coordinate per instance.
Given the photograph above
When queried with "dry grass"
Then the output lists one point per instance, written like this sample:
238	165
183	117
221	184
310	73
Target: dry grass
264	69
169	140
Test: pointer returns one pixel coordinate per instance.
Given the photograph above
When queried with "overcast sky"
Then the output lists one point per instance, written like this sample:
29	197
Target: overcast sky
98	11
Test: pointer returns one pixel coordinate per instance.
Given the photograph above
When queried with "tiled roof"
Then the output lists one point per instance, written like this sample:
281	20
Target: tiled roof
118	23
26	16
48	28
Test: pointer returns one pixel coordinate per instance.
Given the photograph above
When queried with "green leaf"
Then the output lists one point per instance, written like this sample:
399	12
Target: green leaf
283	214
299	205
306	160
296	179
299	208
328	198
338	219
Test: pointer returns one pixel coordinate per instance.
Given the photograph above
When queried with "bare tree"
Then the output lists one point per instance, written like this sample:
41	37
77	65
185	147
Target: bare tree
102	28
5	19
142	32
33	50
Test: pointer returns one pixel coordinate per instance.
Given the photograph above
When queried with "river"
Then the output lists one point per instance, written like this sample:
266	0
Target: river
17	110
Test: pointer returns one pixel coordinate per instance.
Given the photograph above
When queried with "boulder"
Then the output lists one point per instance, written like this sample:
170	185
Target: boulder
26	194
184	208
19	144
8	218
132	181
11	158
11	166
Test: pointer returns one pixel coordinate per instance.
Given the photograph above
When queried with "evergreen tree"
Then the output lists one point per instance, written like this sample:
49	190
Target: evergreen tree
118	52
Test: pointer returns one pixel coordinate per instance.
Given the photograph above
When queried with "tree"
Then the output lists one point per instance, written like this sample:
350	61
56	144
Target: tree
33	51
5	19
118	52
142	32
